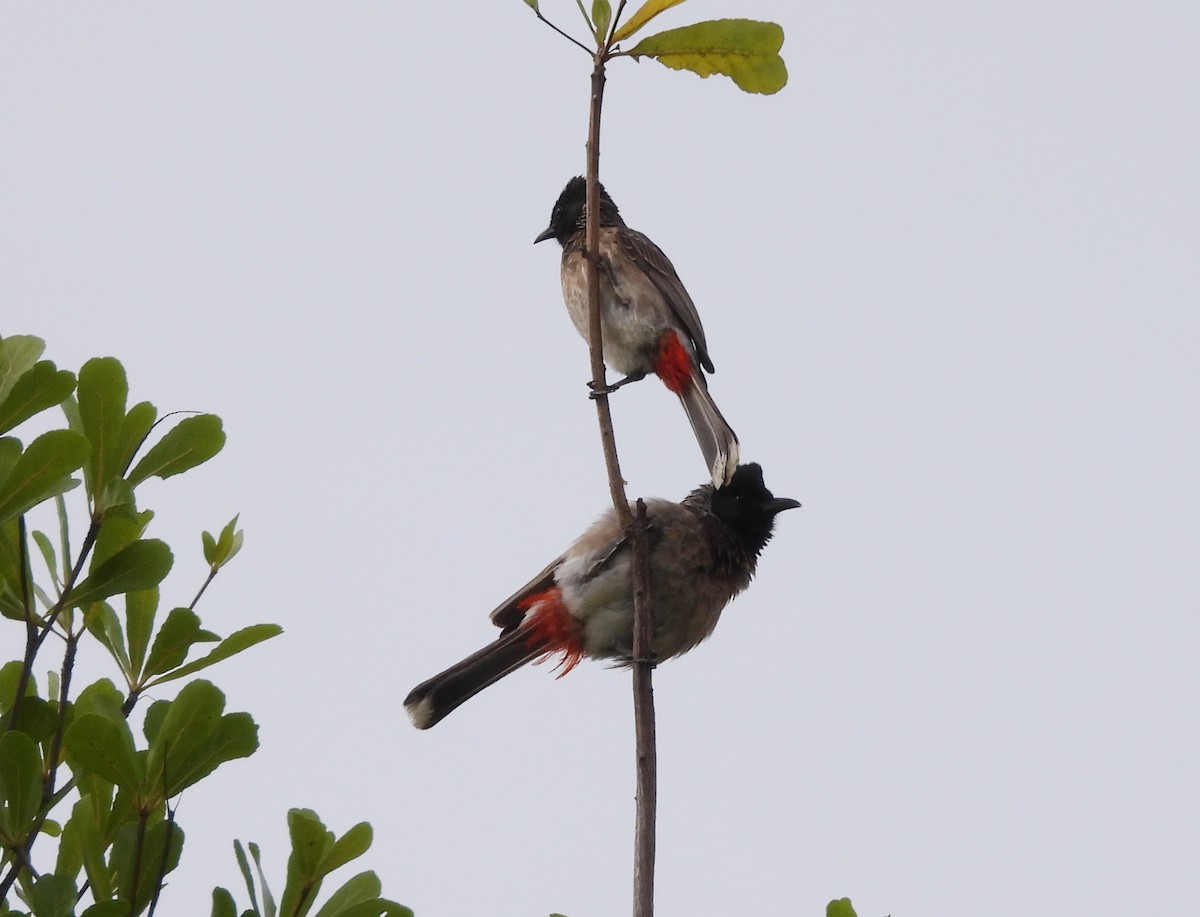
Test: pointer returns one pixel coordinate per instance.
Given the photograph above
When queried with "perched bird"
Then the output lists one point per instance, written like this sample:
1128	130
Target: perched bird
648	324
702	552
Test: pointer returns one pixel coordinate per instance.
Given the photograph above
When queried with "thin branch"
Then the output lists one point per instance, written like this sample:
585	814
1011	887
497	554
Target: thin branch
89	540
49	798
166	851
32	643
136	860
31	651
211	573
643	621
612	30
569	38
616	484
644	846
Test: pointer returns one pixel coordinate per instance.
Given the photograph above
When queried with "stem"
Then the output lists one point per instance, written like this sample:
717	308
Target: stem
573	41
31	635
211	573
136	865
166	851
643	723
643	621
34	641
608	441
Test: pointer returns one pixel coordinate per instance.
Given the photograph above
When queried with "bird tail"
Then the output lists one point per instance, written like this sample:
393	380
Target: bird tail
431	700
543	629
717	440
676	366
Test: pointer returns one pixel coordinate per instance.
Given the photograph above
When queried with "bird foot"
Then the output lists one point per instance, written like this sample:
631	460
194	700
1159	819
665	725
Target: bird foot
599	391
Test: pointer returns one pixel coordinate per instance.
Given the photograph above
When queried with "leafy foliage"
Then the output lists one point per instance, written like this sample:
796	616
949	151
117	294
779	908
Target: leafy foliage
743	50
71	764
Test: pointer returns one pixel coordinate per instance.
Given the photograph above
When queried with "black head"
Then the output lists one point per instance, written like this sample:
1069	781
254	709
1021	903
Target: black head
748	508
568	214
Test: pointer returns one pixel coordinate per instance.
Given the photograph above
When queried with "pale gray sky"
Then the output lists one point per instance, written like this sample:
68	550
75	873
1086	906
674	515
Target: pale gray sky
949	277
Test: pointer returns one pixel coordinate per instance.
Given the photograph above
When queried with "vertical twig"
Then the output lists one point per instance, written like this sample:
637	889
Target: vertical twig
616	485
643	623
643	721
635	528
31	632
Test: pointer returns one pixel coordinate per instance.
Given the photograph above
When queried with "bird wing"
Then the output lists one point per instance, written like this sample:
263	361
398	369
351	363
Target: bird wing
658	267
508	614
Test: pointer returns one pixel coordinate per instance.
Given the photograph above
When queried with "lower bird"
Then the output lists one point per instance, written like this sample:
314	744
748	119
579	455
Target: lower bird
648	323
703	551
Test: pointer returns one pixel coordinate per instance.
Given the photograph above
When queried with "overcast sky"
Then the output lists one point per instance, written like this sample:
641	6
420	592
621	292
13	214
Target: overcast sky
949	277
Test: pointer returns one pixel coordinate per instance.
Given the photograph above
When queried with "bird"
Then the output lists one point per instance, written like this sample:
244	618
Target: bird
702	552
648	324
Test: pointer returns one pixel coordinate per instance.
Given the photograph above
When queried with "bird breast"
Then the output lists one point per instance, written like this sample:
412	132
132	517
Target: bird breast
631	313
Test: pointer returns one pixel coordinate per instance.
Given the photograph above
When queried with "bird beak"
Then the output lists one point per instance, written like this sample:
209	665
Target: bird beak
779	504
547	233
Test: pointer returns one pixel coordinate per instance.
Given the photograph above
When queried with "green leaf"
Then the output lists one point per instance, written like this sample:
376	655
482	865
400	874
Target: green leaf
191	442
53	896
152	724
244	865
745	50
117	497
532	4
140	609
839	908
230	646
137	426
10	677
102	698
10	454
141	565
364	887
601	16
350	846
82	834
219	551
102	623
222	903
117	907
98	745
194	739
101	395
269	909
41	387
12	596
36	718
46	546
42	471
376	907
648	11
20	786
163	841
18	354
117	533
310	842
174	639
359	897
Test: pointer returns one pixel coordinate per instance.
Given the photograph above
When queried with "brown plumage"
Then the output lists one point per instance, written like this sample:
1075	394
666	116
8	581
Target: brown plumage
649	323
703	551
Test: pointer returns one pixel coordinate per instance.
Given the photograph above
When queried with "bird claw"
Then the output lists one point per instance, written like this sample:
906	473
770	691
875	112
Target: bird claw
599	391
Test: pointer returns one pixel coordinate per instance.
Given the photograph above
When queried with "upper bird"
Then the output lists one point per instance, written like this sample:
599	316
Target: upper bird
702	552
648	322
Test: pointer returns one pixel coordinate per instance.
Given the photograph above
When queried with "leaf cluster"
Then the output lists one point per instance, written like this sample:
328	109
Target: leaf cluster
745	50
72	764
